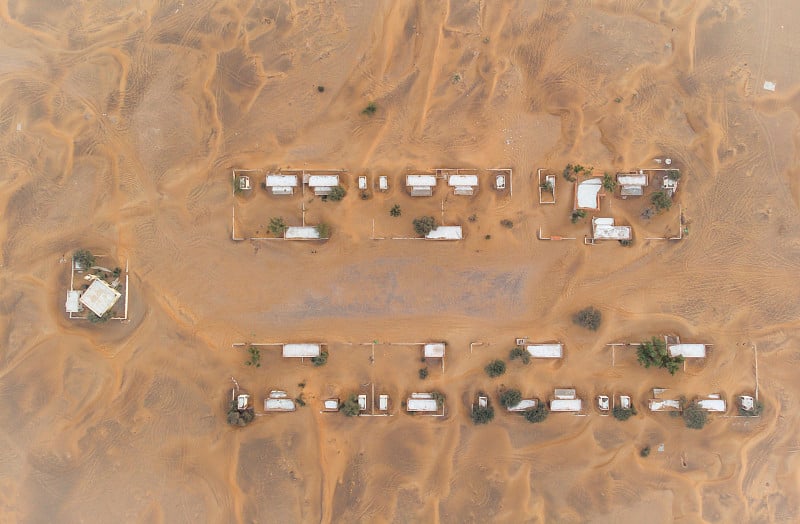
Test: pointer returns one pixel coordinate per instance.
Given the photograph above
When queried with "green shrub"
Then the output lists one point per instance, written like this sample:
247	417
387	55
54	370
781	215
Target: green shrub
495	368
277	226
674	174
519	353
350	406
661	200
255	357
645	451
239	418
424	225
654	353
547	187
621	413
324	230
694	416
321	89
609	184
588	317
578	214
510	397
482	415
423	373
337	193
320	360
439	397
537	414
95	319
370	109
507	223
395	211
84	258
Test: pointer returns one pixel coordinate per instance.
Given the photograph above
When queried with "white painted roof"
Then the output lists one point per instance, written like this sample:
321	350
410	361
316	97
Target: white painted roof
281	180
562	405
241	401
73	301
462	180
687	350
545	350
278	401
604	229
301	350
747	402
383	402
587	194
716	405
435	350
420	180
632	179
323	180
524	405
422	402
625	401
331	403
362	182
362	402
445	233
564	393
383	183
301	233
657	404
100	297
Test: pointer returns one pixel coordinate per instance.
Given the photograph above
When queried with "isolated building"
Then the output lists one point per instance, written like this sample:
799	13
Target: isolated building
524	405
422	402
687	350
242	401
323	184
100	297
604	229
632	184
659	404
383	183
445	233
713	403
330	405
301	350
421	185
434	350
545	350
383	403
747	403
281	184
278	401
463	184
565	400
301	233
587	193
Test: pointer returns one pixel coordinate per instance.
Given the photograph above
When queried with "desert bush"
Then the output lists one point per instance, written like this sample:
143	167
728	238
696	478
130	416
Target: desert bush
644	452
423	373
84	258
482	415
654	353
609	184
370	109
507	223
320	360
661	200
277	226
324	230
255	357
495	368
350	406
510	397
519	353
588	317
439	397
621	413
674	174
576	215
537	414
395	211
694	416
239	418
337	193
424	225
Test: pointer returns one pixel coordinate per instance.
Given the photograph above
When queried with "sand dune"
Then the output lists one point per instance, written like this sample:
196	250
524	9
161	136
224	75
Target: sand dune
119	127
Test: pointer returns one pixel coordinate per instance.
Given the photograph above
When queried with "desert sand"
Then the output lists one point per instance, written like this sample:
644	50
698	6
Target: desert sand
120	123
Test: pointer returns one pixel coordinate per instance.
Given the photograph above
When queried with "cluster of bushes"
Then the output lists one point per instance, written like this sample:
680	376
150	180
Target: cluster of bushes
694	416
571	170
255	357
320	360
654	353
588	317
337	193
277	226
84	258
482	414
495	368
519	353
576	215
241	418
661	200
621	413
424	225
350	406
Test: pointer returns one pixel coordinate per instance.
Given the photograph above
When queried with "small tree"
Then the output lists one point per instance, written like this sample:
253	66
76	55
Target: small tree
95	319
424	225
588	317
694	416
321	359
621	413
654	353
537	414
519	353
337	193
324	230
439	397
84	258
578	214
423	373
644	452
350	406
395	211
277	226
255	357
237	417
370	109
495	368
674	174
758	408
507	223
609	184
661	200
482	415
547	187
510	398
568	173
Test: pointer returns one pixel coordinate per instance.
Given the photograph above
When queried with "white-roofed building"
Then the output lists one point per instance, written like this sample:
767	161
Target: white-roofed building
659	404
565	400
281	184
422	402
587	194
545	350
301	233
323	184
278	401
604	229
445	233
383	402
632	184
421	185
73	304
713	403
463	184
301	350
434	350
524	405
330	405
242	401
100	297
687	350
747	403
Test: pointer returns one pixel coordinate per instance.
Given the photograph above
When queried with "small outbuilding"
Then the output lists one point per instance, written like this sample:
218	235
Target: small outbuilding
445	233
545	350
330	405
383	403
565	400
100	297
524	405
463	184
713	403
362	182
632	184
587	193
421	185
604	229
747	403
242	402
660	404
383	183
323	184
625	401
434	350
73	304
687	350
281	184
278	401
244	182
301	233
422	402
301	350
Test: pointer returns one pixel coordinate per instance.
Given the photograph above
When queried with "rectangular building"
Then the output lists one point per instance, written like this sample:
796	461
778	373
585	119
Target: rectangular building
545	350
301	350
687	350
281	184
421	185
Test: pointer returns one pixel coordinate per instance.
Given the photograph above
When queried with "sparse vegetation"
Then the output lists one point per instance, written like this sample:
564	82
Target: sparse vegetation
758	408
94	319
456	78
117	272
424	225
300	400
510	397
365	194
337	193
626	243
482	415
661	200
495	368
439	397
239	418
277	226
370	109
694	416
570	171
621	413
324	230
507	223
519	353
320	360
588	317
255	357
84	258
395	211
423	373
547	187
654	353
618	100
577	214
609	184
321	89
350	406
645	452
674	174
487	237
537	414
473	218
